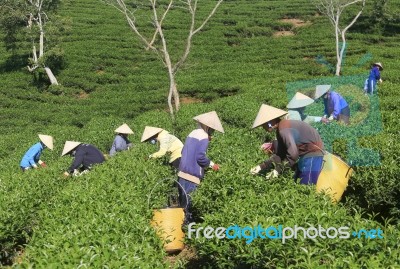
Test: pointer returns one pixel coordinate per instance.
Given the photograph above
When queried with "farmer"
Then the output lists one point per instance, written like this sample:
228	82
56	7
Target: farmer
31	159
194	159
298	143
374	76
86	156
168	144
296	108
121	141
335	105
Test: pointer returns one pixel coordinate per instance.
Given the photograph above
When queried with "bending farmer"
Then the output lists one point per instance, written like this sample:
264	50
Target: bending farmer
335	105
168	144
85	155
296	108
31	159
194	159
299	142
121	141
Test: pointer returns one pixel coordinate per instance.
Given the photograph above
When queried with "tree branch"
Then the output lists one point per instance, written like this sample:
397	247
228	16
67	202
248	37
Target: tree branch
161	21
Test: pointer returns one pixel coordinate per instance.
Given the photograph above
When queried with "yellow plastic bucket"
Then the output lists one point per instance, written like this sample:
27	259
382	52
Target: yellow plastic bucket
334	177
168	224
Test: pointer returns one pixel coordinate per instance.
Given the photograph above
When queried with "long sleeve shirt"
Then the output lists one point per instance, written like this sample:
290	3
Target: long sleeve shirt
194	159
298	139
86	155
374	74
334	104
32	156
168	144
120	143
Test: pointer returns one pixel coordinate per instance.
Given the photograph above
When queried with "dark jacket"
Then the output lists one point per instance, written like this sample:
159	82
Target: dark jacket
86	155
298	139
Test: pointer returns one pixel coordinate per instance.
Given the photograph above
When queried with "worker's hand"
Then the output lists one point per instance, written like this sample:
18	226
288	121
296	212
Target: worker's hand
324	120
330	118
215	167
255	170
272	174
325	116
43	164
35	166
66	174
267	147
380	80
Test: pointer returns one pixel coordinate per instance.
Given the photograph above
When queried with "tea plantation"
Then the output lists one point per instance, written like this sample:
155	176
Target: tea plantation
251	52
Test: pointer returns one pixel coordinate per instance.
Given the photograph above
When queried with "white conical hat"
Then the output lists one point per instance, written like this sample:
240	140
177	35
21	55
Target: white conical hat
266	114
211	120
379	64
149	132
47	140
124	129
300	100
69	145
321	90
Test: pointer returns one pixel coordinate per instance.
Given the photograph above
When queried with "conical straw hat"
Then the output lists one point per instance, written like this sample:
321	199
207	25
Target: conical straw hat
149	132
379	64
211	120
69	145
321	90
266	114
300	100
47	140
124	129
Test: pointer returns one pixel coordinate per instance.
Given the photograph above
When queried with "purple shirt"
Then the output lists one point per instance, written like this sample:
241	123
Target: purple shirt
334	104
194	159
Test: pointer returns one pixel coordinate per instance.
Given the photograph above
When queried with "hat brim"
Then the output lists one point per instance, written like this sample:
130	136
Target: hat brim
266	114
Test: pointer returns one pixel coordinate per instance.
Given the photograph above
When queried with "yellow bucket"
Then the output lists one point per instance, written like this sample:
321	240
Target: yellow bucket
168	224
334	177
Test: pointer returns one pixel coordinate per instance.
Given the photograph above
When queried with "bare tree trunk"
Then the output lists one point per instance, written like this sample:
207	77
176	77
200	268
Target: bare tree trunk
39	21
338	58
162	50
51	76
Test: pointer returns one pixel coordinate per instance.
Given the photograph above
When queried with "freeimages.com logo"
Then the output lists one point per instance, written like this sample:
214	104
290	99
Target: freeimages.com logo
281	233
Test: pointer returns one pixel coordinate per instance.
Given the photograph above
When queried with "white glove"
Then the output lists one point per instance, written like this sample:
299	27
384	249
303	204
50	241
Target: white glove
211	164
331	117
272	174
380	80
325	116
34	166
255	170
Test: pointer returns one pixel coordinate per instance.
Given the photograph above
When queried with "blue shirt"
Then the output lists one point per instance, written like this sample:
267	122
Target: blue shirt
32	156
374	74
120	143
334	104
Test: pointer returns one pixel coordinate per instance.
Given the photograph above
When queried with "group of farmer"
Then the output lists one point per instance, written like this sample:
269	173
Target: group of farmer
297	143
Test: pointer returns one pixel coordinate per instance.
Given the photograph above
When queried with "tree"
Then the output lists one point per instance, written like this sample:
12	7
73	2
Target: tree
31	15
157	40
334	9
